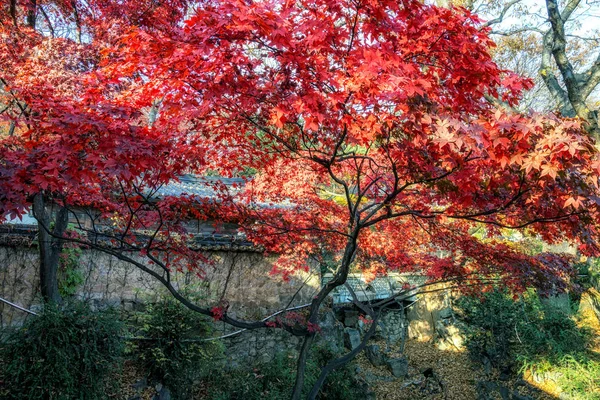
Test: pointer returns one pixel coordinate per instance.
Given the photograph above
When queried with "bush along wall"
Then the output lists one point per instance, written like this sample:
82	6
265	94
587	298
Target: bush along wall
67	352
173	350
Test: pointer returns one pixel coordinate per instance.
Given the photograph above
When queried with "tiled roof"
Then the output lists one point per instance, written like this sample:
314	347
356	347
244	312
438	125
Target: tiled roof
379	288
199	186
18	235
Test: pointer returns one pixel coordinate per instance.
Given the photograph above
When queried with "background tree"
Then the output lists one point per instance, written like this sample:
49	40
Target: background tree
554	44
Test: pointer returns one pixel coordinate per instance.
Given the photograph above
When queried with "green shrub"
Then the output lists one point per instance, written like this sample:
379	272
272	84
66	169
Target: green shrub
523	331
580	378
491	323
533	337
64	353
275	380
173	351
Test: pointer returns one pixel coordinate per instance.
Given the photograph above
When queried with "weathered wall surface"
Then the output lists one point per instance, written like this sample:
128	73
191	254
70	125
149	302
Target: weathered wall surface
427	310
19	281
241	279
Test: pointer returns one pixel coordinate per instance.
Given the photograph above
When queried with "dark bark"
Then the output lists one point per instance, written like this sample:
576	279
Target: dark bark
50	247
301	367
339	279
31	13
13	11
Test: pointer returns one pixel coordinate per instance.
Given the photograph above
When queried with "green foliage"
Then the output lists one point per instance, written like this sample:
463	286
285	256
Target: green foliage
580	378
70	276
527	335
64	353
274	380
491	323
590	273
523	330
550	337
173	351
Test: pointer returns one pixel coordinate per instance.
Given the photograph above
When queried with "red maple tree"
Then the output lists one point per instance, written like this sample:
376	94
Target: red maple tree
365	125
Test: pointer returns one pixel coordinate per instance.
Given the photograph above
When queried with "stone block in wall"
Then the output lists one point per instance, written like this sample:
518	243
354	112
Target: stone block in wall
332	332
421	330
19	282
395	325
449	336
446	313
428	309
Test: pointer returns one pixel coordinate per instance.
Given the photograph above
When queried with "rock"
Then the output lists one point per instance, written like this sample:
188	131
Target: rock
441	330
140	385
332	332
487	365
375	355
351	338
350	318
327	321
372	378
446	313
163	393
398	366
128	305
504	376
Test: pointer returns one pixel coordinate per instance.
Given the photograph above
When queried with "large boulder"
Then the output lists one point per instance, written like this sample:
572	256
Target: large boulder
446	313
352	338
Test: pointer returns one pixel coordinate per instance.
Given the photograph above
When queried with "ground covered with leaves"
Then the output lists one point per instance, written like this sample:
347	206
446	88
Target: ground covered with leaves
436	374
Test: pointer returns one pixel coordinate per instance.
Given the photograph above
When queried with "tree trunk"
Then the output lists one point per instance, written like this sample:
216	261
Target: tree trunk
301	367
50	248
31	13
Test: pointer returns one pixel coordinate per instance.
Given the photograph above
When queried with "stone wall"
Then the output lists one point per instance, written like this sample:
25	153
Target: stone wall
241	279
19	282
426	311
259	346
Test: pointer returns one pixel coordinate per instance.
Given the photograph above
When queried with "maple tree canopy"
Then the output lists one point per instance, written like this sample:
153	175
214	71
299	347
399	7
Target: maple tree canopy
364	128
363	124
